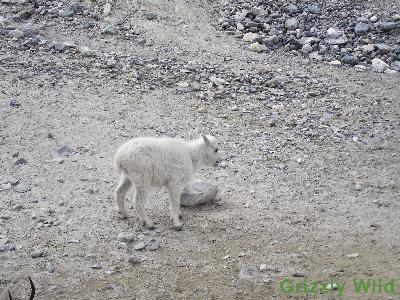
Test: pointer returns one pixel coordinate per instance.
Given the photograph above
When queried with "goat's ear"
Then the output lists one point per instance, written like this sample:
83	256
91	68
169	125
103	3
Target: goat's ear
206	140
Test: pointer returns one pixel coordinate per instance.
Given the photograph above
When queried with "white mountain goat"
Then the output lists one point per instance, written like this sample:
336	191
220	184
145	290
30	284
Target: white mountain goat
147	162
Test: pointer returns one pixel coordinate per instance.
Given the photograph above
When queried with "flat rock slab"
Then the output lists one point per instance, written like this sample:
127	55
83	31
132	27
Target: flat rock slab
198	192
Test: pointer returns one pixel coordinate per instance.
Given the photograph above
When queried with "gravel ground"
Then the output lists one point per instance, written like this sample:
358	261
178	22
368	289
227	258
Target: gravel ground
309	187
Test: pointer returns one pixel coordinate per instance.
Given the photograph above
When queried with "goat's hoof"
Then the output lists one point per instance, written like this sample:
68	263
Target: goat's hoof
149	226
177	227
122	215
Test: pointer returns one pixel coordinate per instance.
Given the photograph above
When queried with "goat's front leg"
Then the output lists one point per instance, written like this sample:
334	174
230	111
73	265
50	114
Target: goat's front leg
175	202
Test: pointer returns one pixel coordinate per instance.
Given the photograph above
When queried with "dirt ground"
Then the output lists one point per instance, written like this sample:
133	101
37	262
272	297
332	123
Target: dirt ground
298	197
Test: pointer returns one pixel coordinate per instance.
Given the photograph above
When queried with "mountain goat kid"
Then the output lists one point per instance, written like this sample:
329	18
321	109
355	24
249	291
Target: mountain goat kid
147	162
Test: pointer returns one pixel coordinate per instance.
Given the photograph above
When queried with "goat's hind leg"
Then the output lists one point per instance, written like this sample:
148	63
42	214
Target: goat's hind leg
175	198
141	194
120	192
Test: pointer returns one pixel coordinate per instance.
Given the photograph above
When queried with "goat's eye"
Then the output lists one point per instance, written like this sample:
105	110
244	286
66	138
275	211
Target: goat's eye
216	150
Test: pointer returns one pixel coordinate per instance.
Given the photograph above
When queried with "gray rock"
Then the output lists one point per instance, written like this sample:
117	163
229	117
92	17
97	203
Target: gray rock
139	246
307	48
50	268
198	192
335	37
379	65
134	260
395	65
38	253
65	150
361	28
5	186
363	19
274	119
291	23
247	273
65	13
367	49
126	237
152	245
15	103
387	26
291	8
110	29
96	266
111	62
22	188
150	16
60	47
16	33
350	60
20	161
384	48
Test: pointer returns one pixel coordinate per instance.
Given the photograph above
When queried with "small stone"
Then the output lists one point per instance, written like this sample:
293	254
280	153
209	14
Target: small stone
65	13
367	49
150	16
15	103
139	246
274	119
226	257
291	23
22	188
20	161
38	253
256	47
50	268
352	255
350	60
263	267
379	65
65	150
195	86
247	273
134	260
373	19
111	62
307	48
335	63
85	51
109	29
298	274
240	26
17	34
250	37
335	37
361	28
107	9
387	26
126	237
5	186
358	186
183	84
331	286
17	206
97	266
202	109
152	245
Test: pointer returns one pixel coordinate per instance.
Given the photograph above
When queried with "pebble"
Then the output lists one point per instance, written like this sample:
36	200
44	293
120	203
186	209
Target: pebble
17	206
250	37
14	103
20	161
139	246
110	29
379	65
361	28
256	47
126	237
22	188
50	268
134	260
65	150
5	186
291	23
247	273
65	13
152	245
96	266
307	48
358	186
107	9
86	51
352	255
38	253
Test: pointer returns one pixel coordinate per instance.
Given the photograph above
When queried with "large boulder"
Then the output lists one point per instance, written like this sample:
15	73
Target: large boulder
198	192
